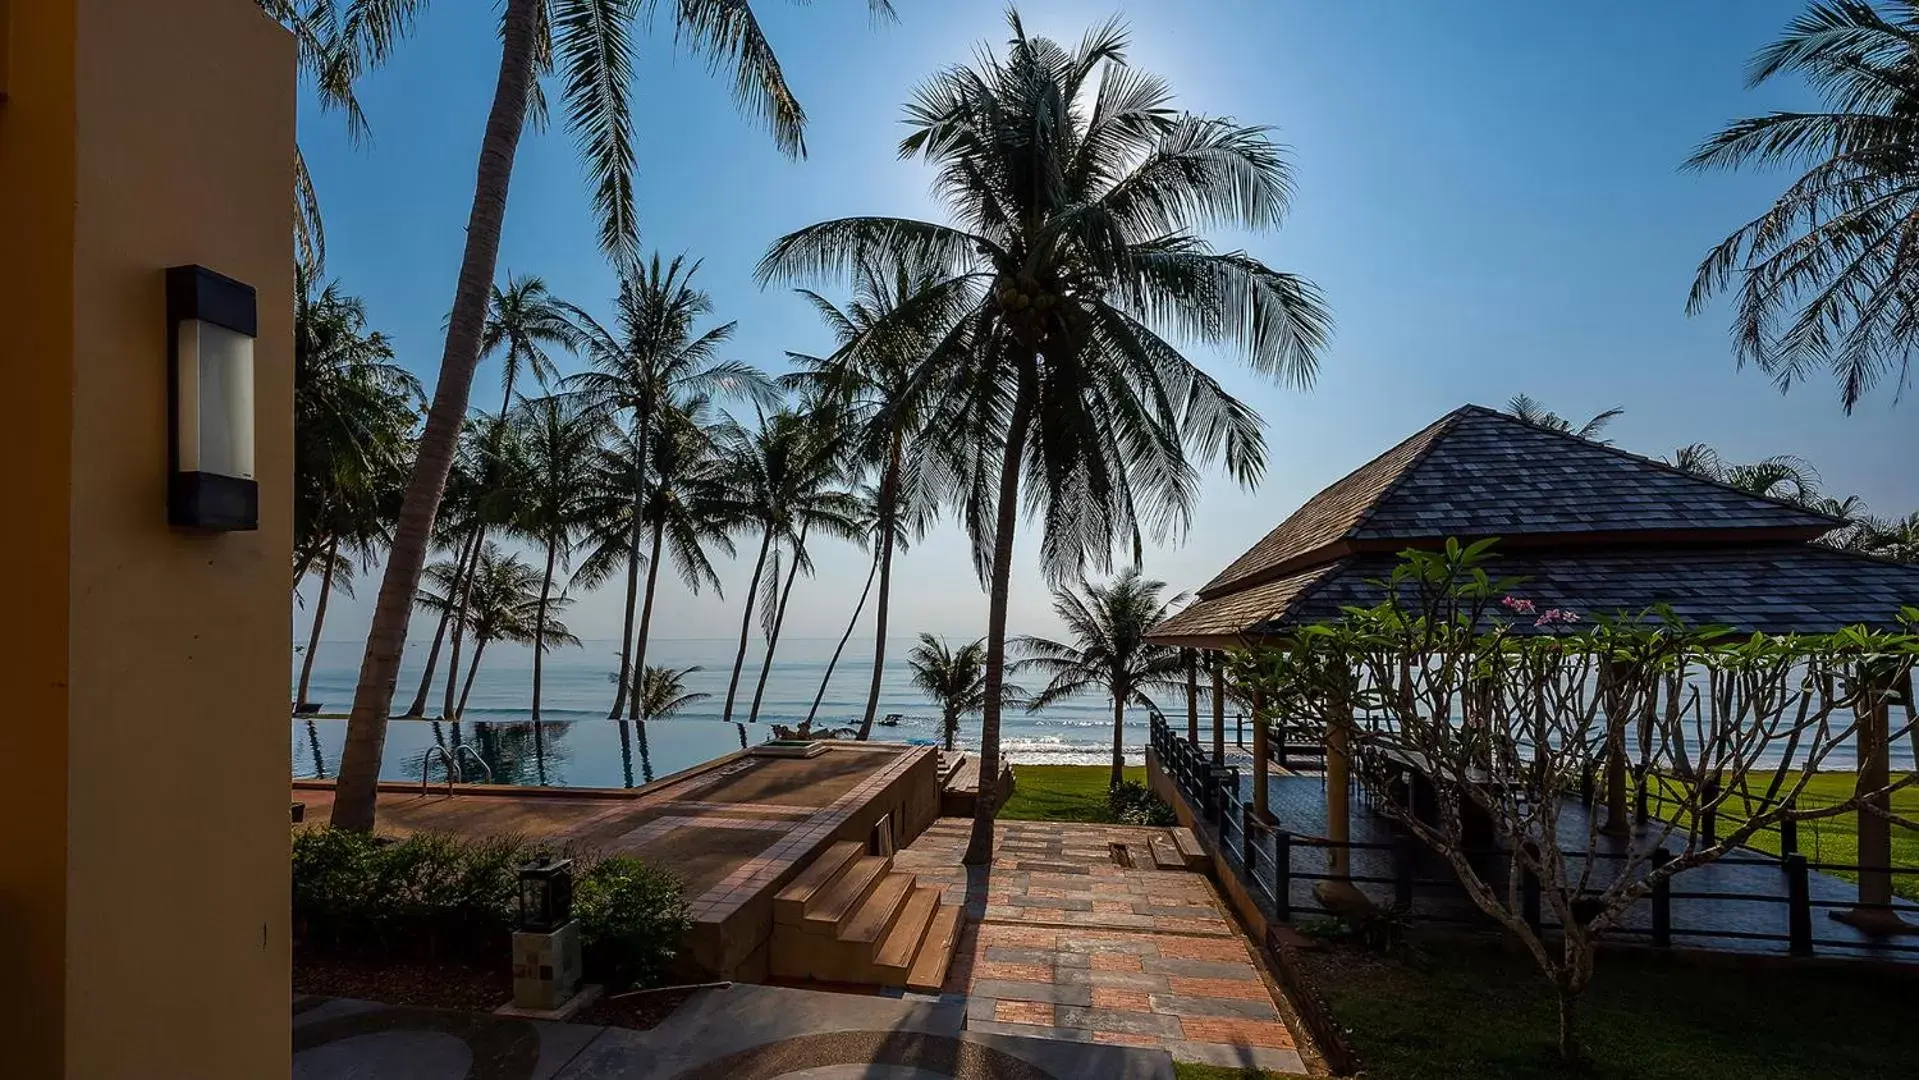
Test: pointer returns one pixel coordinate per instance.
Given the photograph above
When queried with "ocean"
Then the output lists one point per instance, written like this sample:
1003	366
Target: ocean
577	685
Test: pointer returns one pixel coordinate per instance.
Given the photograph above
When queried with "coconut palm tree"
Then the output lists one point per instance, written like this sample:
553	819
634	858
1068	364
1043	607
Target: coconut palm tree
1078	195
663	693
867	514
329	63
355	414
954	679
485	487
653	357
876	380
524	320
1826	277
553	498
1525	407
1784	477
588	44
502	604
1110	651
777	482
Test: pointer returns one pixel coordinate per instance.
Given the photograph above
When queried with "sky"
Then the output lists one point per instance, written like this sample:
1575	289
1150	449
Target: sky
1489	194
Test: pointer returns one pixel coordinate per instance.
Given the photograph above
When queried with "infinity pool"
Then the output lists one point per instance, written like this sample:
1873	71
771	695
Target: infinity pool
573	753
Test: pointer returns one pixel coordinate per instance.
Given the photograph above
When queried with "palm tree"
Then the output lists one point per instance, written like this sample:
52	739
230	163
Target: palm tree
662	692
502	604
1783	477
954	680
331	65
1078	193
1895	540
876	379
867	516
523	321
655	356
560	440
355	415
1524	407
776	482
588	42
1826	276
1109	624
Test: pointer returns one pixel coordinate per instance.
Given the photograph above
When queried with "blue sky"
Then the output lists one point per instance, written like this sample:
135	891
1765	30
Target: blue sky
1488	193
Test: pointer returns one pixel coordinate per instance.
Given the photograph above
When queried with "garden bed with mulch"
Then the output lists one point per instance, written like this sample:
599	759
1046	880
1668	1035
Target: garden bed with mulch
461	988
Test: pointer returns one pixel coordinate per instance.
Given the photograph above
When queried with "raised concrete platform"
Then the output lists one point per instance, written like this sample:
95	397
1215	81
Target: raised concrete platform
737	829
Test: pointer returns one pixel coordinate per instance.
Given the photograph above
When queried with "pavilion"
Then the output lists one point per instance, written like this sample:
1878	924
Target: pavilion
1590	527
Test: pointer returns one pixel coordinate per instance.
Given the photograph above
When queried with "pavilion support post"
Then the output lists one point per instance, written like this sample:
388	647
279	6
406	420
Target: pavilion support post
1192	695
1874	711
1261	753
1618	810
1336	893
1218	662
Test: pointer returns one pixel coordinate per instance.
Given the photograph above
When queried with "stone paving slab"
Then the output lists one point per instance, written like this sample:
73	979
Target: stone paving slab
1071	946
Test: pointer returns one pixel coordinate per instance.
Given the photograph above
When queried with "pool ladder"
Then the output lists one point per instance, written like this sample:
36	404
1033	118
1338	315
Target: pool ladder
454	774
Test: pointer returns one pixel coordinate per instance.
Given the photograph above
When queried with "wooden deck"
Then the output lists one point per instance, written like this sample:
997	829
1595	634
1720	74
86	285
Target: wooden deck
959	791
736	829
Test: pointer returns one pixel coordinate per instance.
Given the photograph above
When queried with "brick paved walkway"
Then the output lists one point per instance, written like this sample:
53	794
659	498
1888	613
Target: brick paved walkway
1066	943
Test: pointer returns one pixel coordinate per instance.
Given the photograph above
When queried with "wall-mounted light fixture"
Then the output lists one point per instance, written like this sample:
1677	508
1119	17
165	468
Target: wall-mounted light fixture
211	323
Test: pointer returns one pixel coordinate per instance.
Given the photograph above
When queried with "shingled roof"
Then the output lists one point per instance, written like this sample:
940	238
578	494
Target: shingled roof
1592	528
1773	588
1476	472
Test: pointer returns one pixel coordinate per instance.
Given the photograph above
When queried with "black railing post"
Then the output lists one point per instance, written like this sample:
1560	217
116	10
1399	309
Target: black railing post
1798	906
1529	897
1283	874
1403	852
1248	853
1662	902
1639	803
1789	833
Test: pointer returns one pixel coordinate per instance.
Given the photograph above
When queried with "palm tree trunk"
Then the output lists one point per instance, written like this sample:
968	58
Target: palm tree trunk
889	496
949	725
844	638
469	554
979	847
319	619
627	681
1119	745
779	620
539	627
746	624
646	619
357	789
479	649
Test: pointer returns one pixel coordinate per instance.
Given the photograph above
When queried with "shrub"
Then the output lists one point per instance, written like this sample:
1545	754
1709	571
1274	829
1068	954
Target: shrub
442	898
632	918
1132	803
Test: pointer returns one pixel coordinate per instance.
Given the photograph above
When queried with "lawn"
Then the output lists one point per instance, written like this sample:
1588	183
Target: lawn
1835	839
1063	793
1480	1010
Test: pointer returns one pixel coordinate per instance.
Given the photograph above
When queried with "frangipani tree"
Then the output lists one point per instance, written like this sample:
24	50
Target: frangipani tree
1505	708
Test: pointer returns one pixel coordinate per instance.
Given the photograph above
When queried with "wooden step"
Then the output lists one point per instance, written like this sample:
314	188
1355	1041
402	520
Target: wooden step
795	900
830	910
893	960
1166	854
1189	849
936	951
876	916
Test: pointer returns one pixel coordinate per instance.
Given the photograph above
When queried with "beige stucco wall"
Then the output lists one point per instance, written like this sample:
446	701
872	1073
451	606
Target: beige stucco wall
143	822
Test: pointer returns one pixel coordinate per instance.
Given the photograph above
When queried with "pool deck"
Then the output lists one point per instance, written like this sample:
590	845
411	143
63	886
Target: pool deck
736	829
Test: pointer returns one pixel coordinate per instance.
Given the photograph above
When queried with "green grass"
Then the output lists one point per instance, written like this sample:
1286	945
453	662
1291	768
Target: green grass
1480	1011
1063	793
1836	839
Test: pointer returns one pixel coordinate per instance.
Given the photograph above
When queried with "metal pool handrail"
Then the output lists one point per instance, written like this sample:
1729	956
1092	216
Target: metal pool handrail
477	759
426	762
